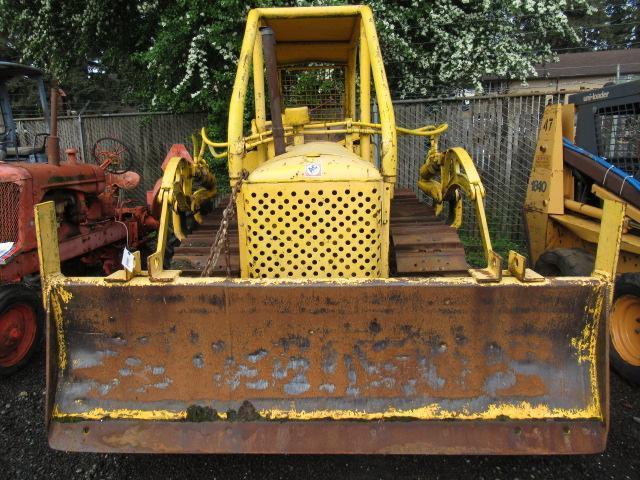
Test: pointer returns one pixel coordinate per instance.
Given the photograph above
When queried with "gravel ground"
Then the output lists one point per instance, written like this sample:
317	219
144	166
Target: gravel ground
24	453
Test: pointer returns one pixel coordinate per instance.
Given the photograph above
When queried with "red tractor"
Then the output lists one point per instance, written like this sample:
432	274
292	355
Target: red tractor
93	225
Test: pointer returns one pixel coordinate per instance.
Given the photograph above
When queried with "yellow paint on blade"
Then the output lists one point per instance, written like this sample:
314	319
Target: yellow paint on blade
119	413
586	344
142	282
519	411
59	296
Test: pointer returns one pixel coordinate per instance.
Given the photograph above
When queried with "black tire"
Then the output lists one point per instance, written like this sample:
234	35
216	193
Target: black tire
172	244
151	245
20	295
565	262
626	284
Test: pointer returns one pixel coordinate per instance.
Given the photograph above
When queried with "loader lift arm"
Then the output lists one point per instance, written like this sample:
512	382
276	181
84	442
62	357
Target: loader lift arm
442	177
563	207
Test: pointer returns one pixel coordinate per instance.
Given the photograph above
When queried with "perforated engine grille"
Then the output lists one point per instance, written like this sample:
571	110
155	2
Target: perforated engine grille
9	204
313	230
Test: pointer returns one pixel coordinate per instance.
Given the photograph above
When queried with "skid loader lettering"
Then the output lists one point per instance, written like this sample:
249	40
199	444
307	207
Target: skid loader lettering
345	318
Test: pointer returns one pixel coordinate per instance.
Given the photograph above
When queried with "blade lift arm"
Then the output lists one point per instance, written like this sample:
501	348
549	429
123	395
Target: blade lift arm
176	197
442	177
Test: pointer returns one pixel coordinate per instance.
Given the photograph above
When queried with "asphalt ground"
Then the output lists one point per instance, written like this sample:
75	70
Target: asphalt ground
24	453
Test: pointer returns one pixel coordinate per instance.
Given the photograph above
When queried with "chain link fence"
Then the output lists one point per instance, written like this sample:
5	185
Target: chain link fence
499	132
146	136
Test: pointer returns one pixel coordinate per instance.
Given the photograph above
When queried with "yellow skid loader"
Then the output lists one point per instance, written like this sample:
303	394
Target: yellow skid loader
346	320
563	212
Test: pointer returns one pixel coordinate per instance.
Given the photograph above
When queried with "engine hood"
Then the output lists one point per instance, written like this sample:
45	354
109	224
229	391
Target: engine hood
315	162
13	171
51	175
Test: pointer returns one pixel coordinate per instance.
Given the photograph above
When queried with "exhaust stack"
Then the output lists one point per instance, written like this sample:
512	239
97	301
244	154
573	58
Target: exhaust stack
269	50
53	144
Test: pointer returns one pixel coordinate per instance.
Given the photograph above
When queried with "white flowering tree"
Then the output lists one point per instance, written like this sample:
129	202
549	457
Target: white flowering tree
181	54
429	45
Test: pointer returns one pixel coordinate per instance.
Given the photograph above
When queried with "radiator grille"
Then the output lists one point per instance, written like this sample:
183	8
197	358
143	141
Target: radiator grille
9	205
313	230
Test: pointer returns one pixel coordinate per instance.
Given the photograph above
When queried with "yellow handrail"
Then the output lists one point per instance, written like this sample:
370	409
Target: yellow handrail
426	131
213	145
324	128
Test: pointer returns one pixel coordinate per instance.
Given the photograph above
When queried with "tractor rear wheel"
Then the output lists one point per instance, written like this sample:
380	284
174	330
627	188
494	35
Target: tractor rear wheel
21	326
624	327
565	262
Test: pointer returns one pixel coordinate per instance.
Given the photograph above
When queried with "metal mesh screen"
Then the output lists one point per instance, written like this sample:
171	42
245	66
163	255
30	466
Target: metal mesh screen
500	134
320	88
24	97
618	135
27	129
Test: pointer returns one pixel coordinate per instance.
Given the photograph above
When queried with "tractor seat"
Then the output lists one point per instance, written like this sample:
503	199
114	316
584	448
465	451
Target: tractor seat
23	151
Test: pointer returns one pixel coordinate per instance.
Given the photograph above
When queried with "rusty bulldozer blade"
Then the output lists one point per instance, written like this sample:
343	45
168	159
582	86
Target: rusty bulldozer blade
512	368
423	365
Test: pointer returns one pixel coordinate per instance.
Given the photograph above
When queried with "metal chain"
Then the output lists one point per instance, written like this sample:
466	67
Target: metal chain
227	255
222	238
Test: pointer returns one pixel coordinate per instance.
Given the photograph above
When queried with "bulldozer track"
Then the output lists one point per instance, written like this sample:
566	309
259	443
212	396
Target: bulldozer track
421	242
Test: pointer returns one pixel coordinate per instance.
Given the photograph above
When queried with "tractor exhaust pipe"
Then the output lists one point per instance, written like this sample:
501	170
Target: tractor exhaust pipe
269	50
53	144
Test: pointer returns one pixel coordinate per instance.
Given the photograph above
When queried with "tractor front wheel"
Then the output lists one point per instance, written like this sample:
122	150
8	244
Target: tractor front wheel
21	325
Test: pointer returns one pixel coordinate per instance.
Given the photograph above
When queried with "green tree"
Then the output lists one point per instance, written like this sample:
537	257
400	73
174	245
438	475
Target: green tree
181	55
602	25
85	45
428	45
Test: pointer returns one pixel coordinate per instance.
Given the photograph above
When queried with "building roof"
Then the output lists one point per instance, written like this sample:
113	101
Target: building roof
591	64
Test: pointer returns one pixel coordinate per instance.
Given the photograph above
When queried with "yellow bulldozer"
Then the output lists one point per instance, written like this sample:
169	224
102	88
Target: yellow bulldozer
331	312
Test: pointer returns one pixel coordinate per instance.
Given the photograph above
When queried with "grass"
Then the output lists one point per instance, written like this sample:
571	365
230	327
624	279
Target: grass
501	245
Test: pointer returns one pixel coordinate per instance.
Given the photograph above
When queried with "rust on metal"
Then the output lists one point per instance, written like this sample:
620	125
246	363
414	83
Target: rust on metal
192	253
325	437
269	52
406	353
422	242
